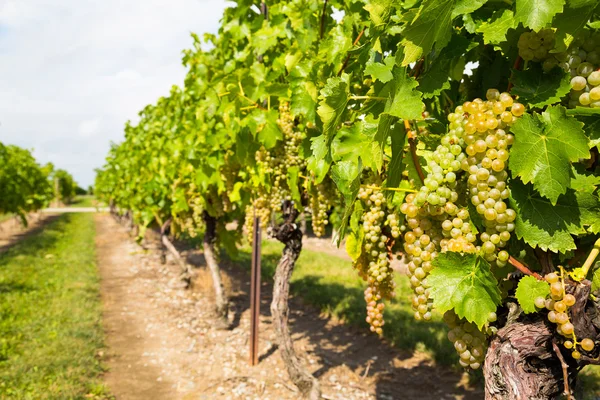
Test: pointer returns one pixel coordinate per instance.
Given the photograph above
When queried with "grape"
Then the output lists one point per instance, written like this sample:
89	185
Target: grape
578	83
593	79
540	302
587	344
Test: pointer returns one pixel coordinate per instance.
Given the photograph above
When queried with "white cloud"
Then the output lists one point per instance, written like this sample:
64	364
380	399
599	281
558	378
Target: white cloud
74	71
89	128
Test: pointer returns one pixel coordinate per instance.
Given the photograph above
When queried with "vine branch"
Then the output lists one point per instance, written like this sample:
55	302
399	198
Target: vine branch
322	27
591	258
345	64
523	268
413	151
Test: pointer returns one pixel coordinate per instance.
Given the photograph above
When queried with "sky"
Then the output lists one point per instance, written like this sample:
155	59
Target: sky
72	72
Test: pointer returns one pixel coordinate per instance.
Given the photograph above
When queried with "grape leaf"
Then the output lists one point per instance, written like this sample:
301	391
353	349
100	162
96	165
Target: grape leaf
528	290
538	88
406	102
433	26
536	14
346	176
596	279
381	71
396	165
549	227
591	119
354	142
583	181
571	21
494	31
436	78
545	145
354	242
465	283
334	98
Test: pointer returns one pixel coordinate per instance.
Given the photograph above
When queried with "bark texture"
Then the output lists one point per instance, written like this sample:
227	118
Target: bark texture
291	236
522	361
521	364
186	272
210	237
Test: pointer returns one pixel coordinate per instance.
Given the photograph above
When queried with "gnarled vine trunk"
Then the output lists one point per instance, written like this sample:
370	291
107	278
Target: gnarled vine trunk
291	236
526	360
186	272
210	237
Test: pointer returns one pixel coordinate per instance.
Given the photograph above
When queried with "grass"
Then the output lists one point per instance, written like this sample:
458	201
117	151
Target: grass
331	284
50	314
84	201
589	383
5	217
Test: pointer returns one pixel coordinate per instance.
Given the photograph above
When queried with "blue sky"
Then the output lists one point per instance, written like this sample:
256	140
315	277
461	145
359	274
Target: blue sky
72	72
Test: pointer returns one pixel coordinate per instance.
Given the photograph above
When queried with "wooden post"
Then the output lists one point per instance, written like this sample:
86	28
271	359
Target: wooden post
255	293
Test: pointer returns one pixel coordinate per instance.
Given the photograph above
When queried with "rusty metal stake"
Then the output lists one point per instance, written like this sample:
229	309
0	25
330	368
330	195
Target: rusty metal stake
255	293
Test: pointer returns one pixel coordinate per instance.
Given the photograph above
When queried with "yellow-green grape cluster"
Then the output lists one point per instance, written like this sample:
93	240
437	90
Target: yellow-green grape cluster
470	343
375	308
375	266
537	46
457	232
583	63
558	305
321	200
483	127
292	138
394	223
421	245
263	211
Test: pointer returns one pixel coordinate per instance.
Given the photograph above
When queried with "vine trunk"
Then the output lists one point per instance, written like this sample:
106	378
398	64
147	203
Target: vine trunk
210	237
291	236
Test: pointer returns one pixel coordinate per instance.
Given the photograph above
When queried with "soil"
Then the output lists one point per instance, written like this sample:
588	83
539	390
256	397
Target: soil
164	341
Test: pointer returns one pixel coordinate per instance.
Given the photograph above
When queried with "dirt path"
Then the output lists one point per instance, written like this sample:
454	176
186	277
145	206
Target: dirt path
163	345
12	230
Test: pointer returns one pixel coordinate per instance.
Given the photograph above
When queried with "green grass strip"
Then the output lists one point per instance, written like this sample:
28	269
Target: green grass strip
50	314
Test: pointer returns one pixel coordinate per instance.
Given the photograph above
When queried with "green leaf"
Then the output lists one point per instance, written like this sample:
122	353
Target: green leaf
584	181
354	142
538	88
381	71
596	279
432	26
437	76
494	31
354	242
334	98
396	165
346	175
536	14
545	145
406	102
541	224
292	181
464	283
572	21
528	290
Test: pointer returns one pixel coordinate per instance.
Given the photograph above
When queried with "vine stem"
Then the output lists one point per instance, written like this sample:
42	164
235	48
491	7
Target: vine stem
322	30
413	151
523	268
565	370
367	98
345	64
591	258
389	188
